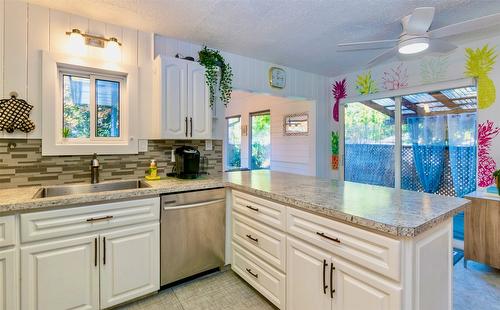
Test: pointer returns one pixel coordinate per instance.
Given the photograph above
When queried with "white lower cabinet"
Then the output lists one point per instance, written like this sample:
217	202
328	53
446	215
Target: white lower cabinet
61	274
327	265
8	280
108	256
316	279
307	268
357	288
130	264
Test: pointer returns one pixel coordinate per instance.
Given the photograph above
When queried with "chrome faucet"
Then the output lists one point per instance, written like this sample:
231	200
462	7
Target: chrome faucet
94	170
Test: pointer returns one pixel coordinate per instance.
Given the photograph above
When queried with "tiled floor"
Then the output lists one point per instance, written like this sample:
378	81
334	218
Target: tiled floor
477	287
220	291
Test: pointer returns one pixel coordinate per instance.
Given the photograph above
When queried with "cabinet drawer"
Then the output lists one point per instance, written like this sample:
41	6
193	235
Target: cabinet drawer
264	278
64	222
262	210
7	230
267	243
378	253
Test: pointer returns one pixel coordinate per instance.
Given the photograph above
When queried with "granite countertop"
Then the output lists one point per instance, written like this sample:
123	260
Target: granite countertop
398	213
15	200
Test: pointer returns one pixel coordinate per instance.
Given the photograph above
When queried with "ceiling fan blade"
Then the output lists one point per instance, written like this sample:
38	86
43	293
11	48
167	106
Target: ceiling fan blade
368	45
420	21
466	26
440	46
385	56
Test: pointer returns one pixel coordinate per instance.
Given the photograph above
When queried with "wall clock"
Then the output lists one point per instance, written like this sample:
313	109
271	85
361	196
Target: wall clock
277	77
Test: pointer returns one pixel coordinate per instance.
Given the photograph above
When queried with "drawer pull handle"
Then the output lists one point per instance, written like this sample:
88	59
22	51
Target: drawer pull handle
328	237
324	276
104	250
253	274
253	209
95	252
332	290
252	238
97	219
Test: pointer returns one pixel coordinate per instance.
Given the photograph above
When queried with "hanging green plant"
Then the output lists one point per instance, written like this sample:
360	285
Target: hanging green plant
213	61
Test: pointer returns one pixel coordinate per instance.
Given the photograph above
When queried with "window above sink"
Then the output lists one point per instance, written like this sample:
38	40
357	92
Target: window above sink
93	104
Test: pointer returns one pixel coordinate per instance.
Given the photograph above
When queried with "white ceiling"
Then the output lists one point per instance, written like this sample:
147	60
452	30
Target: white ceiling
296	33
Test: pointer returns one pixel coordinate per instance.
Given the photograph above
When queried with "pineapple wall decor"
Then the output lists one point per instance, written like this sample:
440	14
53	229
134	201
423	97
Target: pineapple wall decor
479	63
339	91
365	84
335	150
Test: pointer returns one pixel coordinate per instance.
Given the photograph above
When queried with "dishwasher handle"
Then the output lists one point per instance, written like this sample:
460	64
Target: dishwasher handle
193	205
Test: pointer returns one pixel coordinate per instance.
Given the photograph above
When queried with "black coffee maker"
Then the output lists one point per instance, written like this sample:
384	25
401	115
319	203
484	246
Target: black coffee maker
187	162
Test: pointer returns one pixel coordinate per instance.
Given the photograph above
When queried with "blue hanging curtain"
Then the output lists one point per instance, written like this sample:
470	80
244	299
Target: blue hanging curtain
76	90
428	135
462	141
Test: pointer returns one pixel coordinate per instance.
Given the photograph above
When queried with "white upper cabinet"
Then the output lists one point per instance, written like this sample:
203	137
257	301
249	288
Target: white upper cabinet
181	108
200	114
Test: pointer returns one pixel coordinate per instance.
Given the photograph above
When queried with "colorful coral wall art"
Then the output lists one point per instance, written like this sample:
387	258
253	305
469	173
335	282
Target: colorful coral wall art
487	131
339	92
433	69
365	84
395	78
335	150
479	63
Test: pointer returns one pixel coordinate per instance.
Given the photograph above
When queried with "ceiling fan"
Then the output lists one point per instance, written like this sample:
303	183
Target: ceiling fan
416	36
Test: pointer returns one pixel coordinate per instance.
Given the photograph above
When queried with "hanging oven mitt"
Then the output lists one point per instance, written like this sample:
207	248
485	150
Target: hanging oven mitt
14	114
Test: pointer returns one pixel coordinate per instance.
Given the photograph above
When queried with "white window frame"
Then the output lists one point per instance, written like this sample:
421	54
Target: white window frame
396	94
250	138
93	77
54	66
226	166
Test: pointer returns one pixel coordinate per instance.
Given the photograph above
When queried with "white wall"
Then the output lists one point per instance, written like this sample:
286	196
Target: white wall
293	154
251	75
26	29
451	66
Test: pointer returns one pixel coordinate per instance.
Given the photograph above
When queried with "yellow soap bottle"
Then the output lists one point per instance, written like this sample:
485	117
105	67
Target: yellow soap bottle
153	169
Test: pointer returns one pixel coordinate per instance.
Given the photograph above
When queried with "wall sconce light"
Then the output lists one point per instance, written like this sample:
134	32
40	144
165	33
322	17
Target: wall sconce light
78	38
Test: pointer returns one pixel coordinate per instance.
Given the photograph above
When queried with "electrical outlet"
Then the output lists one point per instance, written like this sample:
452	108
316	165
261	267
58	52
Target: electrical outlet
143	146
208	145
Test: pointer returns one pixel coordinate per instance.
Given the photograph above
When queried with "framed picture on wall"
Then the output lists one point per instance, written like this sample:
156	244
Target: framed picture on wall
296	124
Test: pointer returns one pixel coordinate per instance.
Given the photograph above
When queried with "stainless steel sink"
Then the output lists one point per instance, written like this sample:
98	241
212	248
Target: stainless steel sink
63	190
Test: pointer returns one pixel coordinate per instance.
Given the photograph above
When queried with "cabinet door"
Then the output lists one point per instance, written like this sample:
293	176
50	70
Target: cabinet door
60	274
130	264
9	284
308	272
199	111
174	93
357	288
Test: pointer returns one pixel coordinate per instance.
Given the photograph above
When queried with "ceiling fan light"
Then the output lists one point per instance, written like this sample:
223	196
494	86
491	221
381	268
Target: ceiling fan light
413	46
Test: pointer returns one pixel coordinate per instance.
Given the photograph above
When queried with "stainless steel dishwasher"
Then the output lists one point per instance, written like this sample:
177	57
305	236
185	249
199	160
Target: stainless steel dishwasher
193	228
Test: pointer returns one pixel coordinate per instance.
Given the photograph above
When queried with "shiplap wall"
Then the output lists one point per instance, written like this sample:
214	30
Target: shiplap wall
26	29
294	154
252	75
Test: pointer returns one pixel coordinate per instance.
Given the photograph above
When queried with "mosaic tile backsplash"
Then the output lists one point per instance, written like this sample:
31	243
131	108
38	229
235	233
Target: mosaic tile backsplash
24	165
